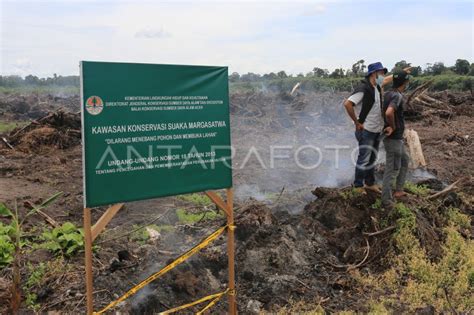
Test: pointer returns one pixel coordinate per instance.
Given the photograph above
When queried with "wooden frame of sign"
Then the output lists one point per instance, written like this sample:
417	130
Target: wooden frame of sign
91	232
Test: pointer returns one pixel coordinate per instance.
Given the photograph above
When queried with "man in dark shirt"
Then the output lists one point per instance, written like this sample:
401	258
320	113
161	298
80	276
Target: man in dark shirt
396	154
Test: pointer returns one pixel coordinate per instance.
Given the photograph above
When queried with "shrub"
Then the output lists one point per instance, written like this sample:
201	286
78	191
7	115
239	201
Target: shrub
7	247
66	239
416	280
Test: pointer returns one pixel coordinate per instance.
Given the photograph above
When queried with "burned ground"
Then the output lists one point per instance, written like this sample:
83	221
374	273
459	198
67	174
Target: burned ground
295	242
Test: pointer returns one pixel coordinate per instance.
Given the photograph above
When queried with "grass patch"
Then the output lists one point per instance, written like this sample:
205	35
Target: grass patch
199	200
406	218
165	228
352	193
142	235
377	308
419	190
7	126
456	218
38	275
299	307
35	278
377	205
414	279
187	217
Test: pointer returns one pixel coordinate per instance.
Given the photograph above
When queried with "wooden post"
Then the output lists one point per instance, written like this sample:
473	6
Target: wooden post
88	259
230	251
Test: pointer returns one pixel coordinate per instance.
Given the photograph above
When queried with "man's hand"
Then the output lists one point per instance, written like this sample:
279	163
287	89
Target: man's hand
408	69
388	131
359	126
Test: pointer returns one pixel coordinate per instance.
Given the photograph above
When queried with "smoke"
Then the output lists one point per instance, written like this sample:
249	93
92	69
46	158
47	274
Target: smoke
420	174
252	191
288	141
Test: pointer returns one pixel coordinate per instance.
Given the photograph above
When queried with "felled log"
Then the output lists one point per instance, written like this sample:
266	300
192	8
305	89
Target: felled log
417	158
418	91
297	85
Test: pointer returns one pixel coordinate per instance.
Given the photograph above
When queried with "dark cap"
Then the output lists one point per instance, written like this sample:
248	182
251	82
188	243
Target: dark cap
399	78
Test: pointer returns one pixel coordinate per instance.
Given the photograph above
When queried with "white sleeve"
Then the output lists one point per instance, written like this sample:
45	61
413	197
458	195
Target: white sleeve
356	98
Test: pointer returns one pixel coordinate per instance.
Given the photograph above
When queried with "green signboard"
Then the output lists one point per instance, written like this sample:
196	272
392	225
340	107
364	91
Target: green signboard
153	130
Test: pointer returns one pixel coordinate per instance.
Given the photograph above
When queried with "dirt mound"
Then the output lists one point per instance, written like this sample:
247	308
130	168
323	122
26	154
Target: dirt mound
312	256
35	105
59	130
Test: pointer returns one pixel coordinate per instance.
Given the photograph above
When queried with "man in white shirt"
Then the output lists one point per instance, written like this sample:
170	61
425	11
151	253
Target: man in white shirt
369	123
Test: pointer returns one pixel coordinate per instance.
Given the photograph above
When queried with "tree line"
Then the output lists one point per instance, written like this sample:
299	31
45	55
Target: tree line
358	69
32	80
461	67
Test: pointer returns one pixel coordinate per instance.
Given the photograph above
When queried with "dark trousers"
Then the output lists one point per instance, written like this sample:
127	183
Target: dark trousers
368	149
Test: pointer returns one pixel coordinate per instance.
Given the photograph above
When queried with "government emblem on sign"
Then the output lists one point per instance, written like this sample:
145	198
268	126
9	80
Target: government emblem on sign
94	105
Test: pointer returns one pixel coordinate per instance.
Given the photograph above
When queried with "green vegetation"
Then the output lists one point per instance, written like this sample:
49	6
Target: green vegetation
7	247
440	82
456	218
6	126
11	235
38	275
165	228
32	80
141	234
457	77
352	193
377	308
200	200
406	218
377	205
34	89
187	217
66	239
418	280
299	307
419	190
35	278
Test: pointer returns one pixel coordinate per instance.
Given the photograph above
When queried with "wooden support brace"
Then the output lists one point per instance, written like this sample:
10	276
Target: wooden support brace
218	201
100	225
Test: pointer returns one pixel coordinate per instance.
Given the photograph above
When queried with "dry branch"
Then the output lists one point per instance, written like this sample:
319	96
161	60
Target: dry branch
390	228
419	91
446	190
7	143
352	266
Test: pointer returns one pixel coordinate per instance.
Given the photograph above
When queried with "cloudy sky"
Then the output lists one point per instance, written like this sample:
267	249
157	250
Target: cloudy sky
46	37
